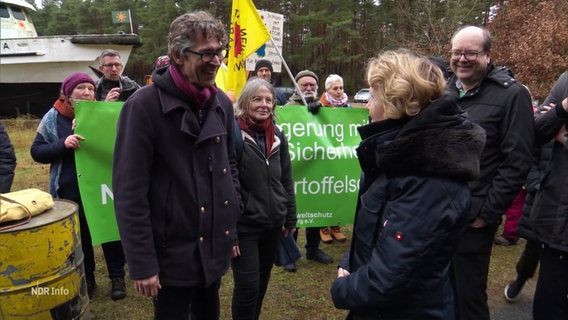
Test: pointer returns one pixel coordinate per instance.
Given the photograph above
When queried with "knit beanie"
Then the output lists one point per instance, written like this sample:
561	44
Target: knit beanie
263	63
305	73
74	80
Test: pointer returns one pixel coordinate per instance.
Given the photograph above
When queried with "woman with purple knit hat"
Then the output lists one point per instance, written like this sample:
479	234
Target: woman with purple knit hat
55	143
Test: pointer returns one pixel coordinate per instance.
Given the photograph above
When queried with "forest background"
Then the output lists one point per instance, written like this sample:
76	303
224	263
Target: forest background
339	36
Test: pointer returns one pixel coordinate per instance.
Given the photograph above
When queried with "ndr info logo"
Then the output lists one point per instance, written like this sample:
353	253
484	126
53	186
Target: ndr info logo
49	291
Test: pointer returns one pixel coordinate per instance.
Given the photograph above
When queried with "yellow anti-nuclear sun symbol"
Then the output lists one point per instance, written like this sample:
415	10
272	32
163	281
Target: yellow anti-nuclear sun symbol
121	17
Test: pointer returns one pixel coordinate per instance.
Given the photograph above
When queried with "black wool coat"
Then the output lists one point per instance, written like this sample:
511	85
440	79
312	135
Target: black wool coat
175	184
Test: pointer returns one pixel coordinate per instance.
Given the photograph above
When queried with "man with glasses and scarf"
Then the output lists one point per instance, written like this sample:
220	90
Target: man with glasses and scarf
175	178
496	101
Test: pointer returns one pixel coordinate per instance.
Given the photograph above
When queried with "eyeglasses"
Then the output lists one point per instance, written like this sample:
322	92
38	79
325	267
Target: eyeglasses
259	100
208	56
468	55
110	65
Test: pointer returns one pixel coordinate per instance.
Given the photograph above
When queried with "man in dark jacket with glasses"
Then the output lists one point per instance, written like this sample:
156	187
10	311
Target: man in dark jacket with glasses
493	99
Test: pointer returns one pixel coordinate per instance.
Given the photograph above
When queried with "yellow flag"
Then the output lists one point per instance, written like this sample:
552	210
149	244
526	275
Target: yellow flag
221	77
248	33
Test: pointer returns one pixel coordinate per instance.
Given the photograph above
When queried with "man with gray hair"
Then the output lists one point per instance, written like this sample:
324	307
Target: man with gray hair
308	83
113	86
175	178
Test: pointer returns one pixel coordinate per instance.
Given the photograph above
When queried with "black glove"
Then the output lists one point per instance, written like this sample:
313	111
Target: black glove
314	107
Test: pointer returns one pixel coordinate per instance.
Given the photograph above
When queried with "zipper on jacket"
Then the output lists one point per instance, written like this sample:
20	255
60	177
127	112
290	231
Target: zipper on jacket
258	151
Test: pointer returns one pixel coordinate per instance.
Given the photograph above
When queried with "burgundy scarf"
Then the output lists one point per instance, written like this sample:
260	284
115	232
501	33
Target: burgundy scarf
267	127
199	96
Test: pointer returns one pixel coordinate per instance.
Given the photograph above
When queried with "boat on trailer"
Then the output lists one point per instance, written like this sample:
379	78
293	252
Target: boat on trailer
32	67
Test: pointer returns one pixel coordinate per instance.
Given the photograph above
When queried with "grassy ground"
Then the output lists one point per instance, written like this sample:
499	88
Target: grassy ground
300	295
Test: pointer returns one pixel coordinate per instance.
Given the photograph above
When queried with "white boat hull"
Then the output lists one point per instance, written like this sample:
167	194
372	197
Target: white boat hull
32	67
50	59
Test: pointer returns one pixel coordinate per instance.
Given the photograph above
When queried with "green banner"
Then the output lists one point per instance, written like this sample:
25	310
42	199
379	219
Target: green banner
96	122
322	148
324	162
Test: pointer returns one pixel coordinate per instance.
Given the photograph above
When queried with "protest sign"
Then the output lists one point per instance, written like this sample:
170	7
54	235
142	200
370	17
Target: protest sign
324	162
322	148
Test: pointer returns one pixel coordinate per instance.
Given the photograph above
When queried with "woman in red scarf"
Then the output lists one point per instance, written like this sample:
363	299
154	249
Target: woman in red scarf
267	190
55	143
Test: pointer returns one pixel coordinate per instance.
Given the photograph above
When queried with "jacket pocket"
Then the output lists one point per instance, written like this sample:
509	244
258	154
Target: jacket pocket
369	216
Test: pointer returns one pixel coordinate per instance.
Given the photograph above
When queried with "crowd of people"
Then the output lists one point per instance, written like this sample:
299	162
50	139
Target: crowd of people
202	185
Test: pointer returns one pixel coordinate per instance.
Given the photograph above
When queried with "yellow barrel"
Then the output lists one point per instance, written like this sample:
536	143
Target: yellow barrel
41	267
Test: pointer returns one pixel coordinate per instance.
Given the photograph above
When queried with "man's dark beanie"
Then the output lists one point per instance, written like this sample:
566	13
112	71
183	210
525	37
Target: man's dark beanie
305	73
263	63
